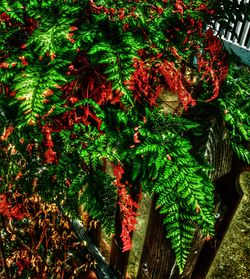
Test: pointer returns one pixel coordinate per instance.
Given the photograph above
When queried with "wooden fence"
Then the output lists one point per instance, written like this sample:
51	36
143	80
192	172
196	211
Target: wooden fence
157	258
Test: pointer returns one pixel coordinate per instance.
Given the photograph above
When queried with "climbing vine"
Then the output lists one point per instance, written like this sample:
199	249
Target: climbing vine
86	84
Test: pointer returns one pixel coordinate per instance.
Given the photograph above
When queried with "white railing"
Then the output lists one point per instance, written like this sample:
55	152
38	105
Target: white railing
238	34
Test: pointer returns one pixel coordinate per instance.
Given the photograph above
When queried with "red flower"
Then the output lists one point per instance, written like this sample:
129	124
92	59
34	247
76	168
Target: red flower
202	7
29	147
136	137
159	10
118	172
121	13
47	134
179	7
69	37
125	27
4	65
50	156
9	211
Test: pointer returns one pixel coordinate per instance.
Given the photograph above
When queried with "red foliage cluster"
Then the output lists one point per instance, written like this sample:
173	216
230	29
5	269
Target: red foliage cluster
7	132
177	83
144	82
50	154
128	209
89	83
215	68
149	78
179	7
154	73
5	17
9	211
127	12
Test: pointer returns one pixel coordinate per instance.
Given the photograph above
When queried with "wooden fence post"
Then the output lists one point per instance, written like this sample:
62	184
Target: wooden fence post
118	259
230	195
157	260
94	228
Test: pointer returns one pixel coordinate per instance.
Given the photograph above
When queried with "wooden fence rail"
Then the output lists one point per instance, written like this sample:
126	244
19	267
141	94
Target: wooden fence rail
157	258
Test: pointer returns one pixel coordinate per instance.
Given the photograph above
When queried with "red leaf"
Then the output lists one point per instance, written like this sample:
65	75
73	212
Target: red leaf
7	132
16	212
73	28
128	209
175	81
50	156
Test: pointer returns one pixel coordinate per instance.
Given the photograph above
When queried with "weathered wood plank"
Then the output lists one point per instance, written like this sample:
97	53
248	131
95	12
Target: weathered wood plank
157	259
215	145
229	195
139	235
118	259
95	231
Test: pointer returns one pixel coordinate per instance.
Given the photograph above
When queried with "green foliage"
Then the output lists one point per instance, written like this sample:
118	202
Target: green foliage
38	49
33	90
184	191
80	81
99	199
234	104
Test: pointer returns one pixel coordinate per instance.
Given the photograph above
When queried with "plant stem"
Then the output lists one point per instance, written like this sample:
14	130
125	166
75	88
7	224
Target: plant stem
2	256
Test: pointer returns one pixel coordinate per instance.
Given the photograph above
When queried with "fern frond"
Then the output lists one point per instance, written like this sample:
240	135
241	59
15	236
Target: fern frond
99	199
78	183
184	191
234	104
242	152
33	87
